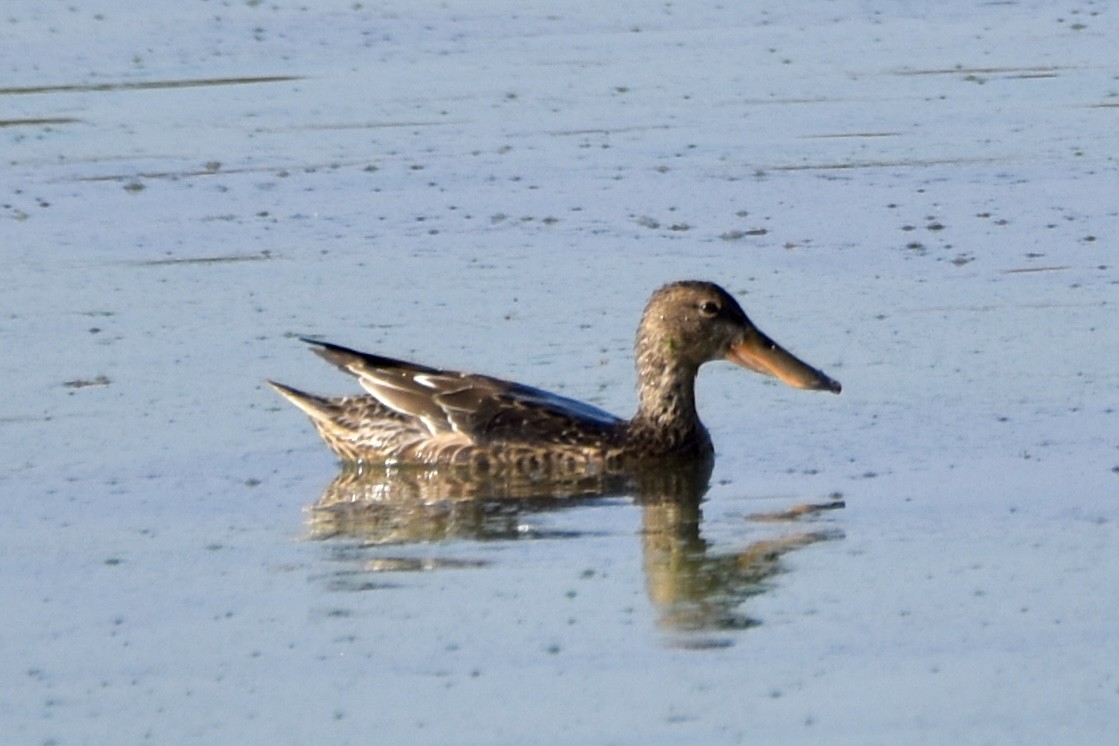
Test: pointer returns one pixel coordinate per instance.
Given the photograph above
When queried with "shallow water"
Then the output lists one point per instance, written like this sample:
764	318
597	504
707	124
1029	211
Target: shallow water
920	204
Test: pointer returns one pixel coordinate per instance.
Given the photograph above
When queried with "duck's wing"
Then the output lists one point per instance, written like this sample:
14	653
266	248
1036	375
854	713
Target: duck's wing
481	407
497	410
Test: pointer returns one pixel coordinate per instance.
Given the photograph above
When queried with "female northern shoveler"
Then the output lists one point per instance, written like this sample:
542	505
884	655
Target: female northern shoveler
420	415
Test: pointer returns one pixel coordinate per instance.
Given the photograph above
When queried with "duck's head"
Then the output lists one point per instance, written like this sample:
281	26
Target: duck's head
691	323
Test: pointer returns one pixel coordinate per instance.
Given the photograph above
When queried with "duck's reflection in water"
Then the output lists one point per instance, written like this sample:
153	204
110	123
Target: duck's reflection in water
692	585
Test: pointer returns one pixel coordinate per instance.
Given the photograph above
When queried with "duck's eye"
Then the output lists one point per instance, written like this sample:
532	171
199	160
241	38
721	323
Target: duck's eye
709	308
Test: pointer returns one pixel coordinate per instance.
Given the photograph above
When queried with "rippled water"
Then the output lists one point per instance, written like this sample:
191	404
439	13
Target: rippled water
918	201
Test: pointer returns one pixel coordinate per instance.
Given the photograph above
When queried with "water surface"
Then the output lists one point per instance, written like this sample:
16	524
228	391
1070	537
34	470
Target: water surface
919	202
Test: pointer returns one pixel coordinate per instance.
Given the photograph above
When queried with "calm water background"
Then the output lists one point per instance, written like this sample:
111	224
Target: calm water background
921	202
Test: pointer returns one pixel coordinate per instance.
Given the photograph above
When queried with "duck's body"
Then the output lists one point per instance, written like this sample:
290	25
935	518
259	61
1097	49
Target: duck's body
426	416
421	415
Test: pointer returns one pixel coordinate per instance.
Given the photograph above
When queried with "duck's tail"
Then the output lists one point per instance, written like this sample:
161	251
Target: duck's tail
319	408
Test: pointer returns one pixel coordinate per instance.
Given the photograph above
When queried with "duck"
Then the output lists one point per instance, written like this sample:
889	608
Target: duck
420	415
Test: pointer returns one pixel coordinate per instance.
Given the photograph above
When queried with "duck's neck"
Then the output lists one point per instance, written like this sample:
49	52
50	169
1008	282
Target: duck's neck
666	398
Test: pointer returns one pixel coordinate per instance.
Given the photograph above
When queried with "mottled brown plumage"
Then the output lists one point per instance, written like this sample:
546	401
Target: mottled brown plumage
421	415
